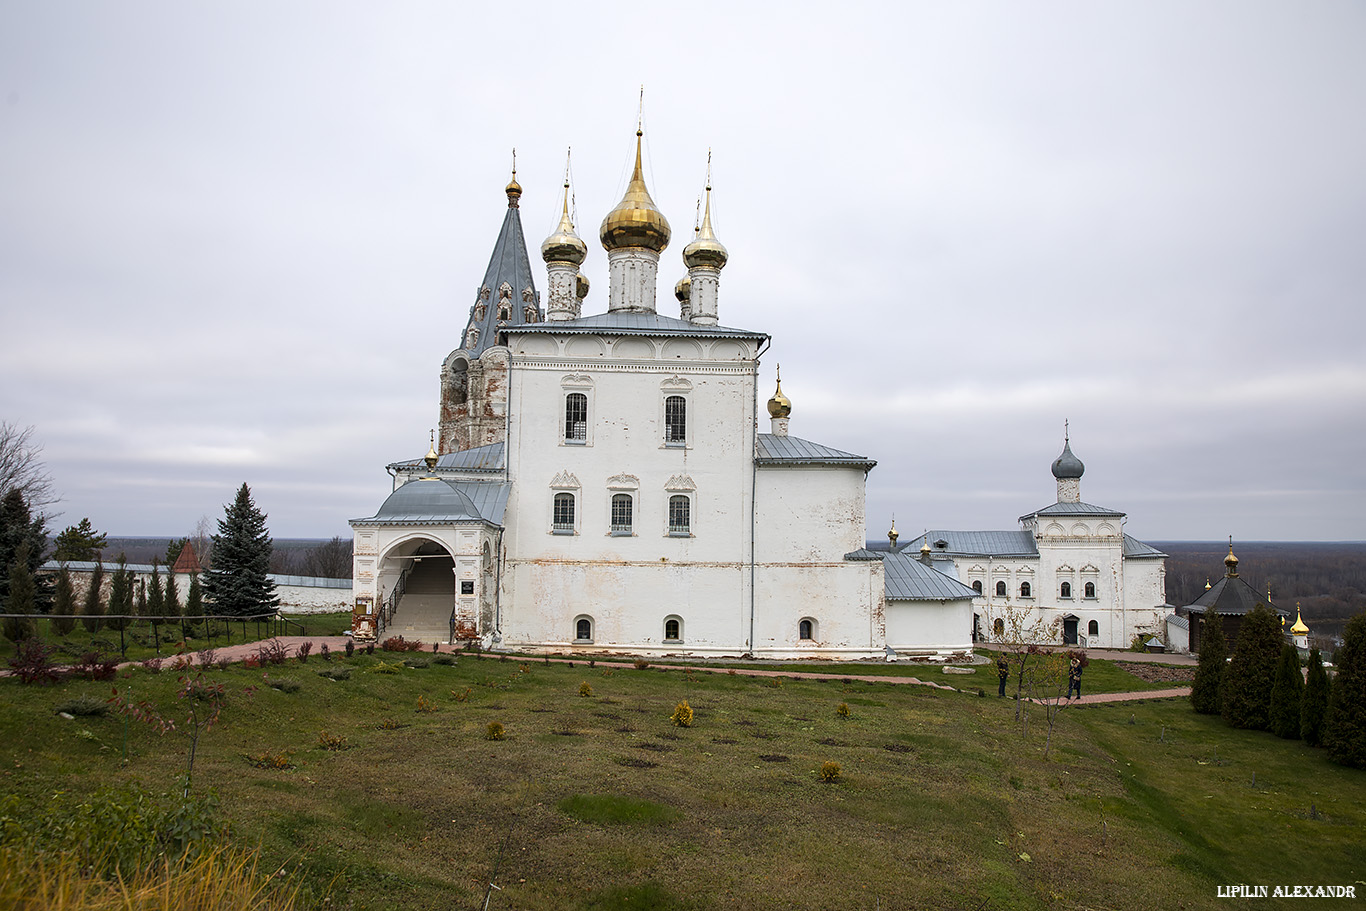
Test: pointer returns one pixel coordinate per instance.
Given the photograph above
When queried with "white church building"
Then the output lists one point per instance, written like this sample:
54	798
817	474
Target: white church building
598	484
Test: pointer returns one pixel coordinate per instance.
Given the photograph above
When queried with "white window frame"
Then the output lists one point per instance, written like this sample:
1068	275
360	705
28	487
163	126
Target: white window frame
814	631
557	527
673	618
592	629
571	384
670	441
615	529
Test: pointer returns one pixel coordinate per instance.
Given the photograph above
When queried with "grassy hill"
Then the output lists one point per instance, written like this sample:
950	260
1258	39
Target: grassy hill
599	801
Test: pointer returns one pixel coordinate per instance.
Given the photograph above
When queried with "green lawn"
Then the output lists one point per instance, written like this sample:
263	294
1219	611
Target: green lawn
600	802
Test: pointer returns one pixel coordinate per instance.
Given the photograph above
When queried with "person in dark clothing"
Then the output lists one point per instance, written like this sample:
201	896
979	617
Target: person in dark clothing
1003	672
1074	678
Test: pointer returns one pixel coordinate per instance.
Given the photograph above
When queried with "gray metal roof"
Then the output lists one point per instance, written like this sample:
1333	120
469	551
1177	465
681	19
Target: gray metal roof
480	458
776	450
976	544
634	323
509	263
1072	509
83	566
907	579
1136	548
433	501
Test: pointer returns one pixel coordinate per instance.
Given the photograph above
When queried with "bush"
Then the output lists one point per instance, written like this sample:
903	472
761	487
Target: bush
267	760
325	653
389	724
272	652
335	673
774	683
350	648
416	662
32	662
384	667
84	706
1286	695
461	696
640	664
305	649
830	771
1245	691
585	689
682	716
1213	657
331	742
94	666
1345	725
444	660
283	684
425	705
842	710
495	731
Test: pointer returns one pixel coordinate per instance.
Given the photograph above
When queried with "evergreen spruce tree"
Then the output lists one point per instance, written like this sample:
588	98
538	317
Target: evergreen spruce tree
1210	671
1286	695
19	599
156	595
1245	691
194	598
92	609
120	596
64	603
1344	729
140	598
239	584
79	543
1314	702
19	526
171	607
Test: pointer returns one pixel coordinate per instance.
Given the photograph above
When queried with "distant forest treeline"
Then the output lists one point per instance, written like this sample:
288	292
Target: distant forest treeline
1327	579
329	559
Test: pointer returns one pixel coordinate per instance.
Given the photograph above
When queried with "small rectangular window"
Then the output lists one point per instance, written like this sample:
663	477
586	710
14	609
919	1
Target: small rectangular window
621	514
680	515
576	418
675	420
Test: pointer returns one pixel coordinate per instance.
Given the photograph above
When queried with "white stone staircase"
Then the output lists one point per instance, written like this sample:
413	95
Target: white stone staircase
424	611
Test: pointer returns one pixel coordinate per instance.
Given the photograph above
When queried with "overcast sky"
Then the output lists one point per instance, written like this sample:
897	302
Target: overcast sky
236	242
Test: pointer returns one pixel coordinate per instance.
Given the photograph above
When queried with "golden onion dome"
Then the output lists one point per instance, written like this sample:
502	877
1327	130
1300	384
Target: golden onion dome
1299	626
431	457
893	534
706	250
779	406
564	246
1231	562
514	191
581	286
683	290
636	221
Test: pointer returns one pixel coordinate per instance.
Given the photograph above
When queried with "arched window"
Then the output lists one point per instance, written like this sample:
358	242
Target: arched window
977	586
563	520
680	515
673	629
583	629
1000	589
1093	628
575	417
621	513
1025	590
675	420
998	628
1065	590
806	629
1090	590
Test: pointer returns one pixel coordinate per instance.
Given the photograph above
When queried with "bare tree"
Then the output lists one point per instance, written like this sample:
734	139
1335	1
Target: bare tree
1023	635
329	560
21	466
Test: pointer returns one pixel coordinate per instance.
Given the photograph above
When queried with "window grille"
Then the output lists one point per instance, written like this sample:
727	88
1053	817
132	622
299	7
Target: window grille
671	629
675	420
621	514
563	519
576	417
680	519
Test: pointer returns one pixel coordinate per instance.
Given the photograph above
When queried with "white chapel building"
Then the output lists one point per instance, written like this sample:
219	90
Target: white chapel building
598	485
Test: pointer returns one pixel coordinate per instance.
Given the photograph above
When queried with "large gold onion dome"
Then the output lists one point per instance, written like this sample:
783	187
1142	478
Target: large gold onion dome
636	221
564	246
706	250
779	406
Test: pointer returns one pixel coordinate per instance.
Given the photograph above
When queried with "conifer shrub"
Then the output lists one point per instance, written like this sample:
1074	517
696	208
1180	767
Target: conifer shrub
283	684
1245	691
1344	732
831	771
1314	701
63	603
350	648
335	673
444	660
495	731
416	661
325	653
384	667
585	689
842	710
92	608
1210	672
682	716
1286	695
83	706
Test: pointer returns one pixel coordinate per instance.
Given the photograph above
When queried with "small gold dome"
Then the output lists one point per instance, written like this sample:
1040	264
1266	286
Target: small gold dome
636	221
431	457
683	290
779	406
564	246
706	250
1231	562
1299	627
514	191
581	286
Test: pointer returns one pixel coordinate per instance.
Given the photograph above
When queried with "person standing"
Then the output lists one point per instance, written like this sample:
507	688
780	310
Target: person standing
1002	672
1074	678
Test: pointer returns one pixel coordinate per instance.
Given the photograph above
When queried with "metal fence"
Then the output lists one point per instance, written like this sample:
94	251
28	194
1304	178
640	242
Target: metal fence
211	629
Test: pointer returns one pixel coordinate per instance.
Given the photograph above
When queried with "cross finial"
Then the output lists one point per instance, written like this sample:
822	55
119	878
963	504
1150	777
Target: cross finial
514	162
1066	432
640	112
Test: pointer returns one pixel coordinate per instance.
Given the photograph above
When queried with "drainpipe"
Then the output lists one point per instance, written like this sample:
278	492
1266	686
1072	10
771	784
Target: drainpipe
754	485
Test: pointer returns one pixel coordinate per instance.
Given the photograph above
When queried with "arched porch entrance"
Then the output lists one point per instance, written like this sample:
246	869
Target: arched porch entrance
417	590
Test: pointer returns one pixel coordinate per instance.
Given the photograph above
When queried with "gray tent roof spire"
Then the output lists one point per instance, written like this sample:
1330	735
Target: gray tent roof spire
507	296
